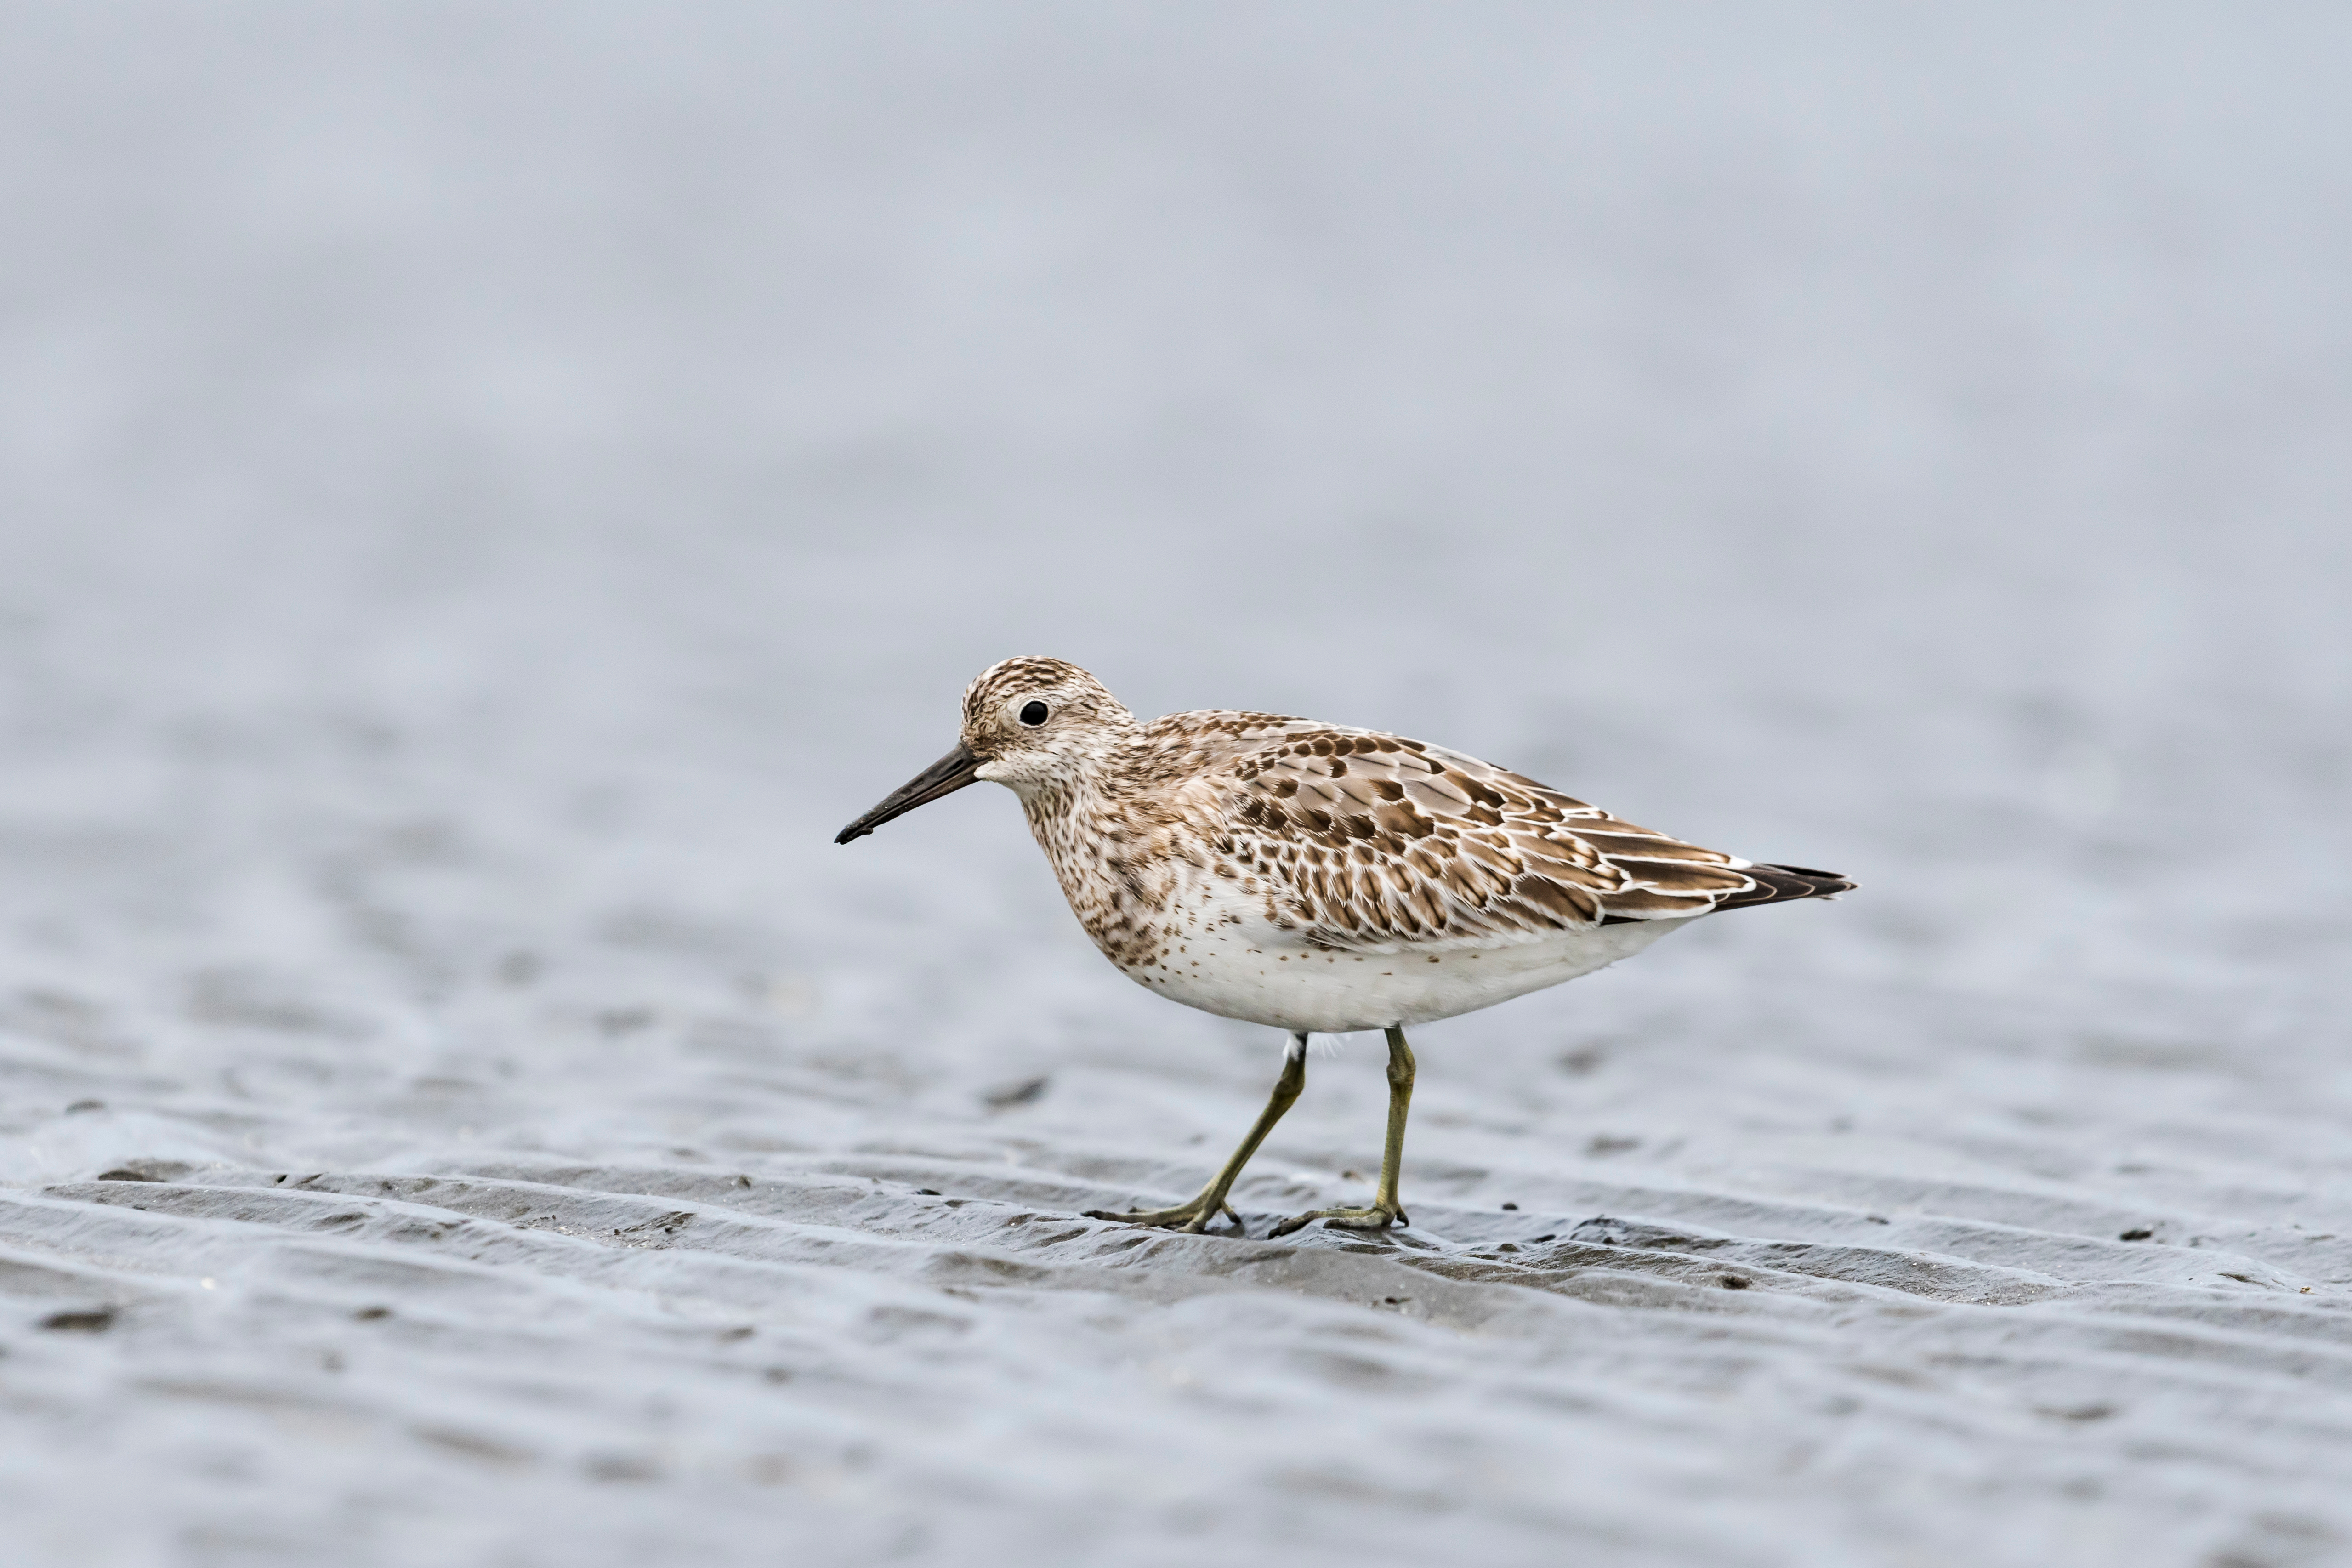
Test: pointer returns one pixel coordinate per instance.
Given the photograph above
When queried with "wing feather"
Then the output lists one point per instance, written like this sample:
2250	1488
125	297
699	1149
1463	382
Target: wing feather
1365	841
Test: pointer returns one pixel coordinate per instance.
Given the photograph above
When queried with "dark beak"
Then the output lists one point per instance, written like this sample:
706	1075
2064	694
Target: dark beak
946	776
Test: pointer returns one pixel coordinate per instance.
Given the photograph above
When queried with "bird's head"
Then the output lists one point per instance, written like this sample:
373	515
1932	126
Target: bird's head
1029	723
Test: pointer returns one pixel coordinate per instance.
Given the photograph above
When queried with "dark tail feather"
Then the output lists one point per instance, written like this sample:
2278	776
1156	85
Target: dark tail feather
1778	884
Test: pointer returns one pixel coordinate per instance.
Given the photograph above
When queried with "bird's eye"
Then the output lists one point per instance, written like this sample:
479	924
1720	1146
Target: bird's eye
1034	714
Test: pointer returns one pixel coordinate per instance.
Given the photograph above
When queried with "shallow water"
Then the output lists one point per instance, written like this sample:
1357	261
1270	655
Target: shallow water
487	494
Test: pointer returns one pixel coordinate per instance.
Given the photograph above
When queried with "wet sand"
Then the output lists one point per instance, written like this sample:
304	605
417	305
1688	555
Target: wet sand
488	495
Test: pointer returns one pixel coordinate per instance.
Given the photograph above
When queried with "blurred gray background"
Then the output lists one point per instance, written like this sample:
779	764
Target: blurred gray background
486	491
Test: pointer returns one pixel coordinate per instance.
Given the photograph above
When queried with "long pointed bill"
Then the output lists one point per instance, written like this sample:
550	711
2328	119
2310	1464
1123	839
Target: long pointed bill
946	776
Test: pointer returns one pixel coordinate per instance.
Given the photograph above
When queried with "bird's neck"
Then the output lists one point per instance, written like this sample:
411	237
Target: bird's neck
1106	848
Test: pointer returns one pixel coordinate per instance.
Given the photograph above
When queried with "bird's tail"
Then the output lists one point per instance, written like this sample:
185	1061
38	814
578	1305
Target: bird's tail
1779	884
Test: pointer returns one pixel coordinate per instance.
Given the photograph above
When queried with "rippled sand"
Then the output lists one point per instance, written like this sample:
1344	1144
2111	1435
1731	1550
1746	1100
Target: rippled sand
487	494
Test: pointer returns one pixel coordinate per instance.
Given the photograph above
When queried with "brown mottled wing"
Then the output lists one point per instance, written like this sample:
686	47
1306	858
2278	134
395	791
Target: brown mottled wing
1365	841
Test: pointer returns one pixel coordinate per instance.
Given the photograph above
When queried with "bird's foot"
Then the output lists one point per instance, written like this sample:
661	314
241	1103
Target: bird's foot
1380	1216
1194	1216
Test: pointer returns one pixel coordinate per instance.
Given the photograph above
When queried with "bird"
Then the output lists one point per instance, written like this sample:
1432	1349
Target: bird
1319	878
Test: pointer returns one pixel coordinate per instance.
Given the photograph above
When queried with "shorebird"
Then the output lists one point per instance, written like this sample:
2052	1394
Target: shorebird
1319	878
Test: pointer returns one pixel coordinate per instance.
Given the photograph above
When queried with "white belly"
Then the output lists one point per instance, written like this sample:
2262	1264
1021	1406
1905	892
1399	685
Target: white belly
1255	972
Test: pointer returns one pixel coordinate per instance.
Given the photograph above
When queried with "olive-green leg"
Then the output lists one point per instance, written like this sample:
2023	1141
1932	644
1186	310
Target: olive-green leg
1196	1214
1385	1210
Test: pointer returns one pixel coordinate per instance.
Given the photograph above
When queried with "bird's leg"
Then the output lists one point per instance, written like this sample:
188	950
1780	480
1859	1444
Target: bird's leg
1196	1214
1385	1210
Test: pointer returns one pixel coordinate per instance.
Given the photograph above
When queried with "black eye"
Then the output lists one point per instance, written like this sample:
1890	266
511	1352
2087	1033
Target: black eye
1034	714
